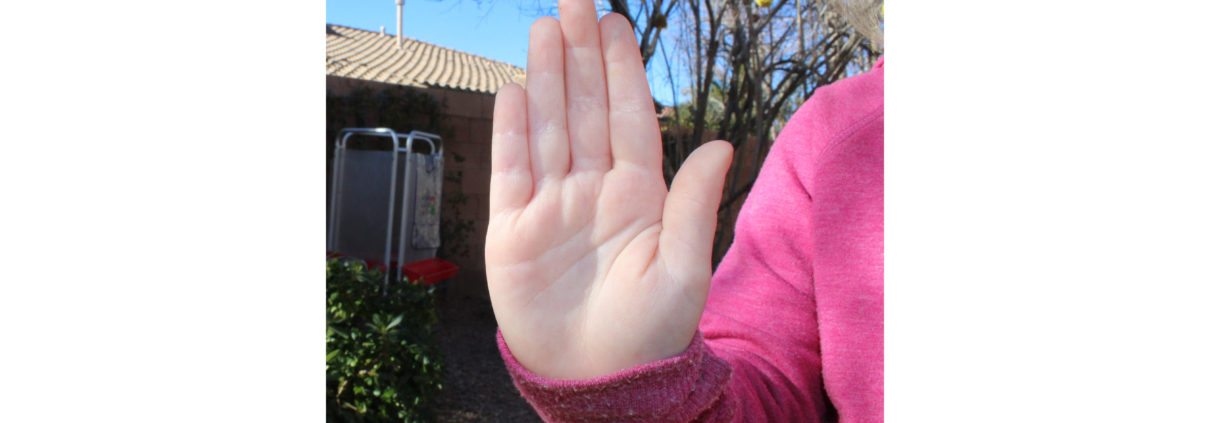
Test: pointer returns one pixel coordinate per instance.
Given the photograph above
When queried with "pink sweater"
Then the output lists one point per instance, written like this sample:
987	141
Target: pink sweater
792	330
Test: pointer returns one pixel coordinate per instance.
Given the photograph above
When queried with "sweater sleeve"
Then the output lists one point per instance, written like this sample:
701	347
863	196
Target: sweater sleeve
760	316
686	387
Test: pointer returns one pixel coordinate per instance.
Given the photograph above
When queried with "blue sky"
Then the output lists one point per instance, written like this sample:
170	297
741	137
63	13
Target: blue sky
497	29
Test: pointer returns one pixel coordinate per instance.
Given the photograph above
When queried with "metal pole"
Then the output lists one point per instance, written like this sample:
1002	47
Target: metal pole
337	189
399	24
332	196
386	256
403	215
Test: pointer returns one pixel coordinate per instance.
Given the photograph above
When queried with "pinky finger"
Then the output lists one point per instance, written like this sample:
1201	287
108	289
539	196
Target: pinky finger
512	181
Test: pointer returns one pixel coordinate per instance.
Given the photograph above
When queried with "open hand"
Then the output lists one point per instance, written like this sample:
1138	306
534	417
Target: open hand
592	264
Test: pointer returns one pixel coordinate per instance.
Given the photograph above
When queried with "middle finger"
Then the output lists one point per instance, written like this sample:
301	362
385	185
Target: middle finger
587	100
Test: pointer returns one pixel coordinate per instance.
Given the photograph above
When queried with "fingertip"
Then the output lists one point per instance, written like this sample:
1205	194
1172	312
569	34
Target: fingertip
612	18
613	24
546	41
708	161
545	23
722	144
566	6
617	38
720	149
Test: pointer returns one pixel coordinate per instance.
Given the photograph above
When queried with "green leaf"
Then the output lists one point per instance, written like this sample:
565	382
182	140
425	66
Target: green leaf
380	360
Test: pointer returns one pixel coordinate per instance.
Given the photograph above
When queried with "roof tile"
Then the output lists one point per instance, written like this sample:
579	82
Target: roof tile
371	56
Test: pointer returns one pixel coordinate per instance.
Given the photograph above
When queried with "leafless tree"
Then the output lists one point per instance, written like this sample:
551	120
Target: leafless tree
650	19
761	63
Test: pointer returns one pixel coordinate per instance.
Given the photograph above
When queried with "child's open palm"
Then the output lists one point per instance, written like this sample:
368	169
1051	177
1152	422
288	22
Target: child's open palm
593	266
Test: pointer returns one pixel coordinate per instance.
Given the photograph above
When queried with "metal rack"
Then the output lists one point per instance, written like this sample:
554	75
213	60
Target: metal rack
356	196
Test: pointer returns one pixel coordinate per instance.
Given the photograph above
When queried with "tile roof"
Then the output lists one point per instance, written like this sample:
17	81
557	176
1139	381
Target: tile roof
371	56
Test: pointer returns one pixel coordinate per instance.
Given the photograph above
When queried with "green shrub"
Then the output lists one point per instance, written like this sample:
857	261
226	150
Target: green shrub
382	361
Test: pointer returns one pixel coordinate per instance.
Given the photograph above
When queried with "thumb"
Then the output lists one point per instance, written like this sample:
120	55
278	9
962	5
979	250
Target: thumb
691	214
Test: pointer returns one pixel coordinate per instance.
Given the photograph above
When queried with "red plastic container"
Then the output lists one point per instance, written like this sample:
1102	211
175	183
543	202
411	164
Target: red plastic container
429	271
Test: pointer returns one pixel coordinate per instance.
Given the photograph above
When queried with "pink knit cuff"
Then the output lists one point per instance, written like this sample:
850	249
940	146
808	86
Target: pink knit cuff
682	388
